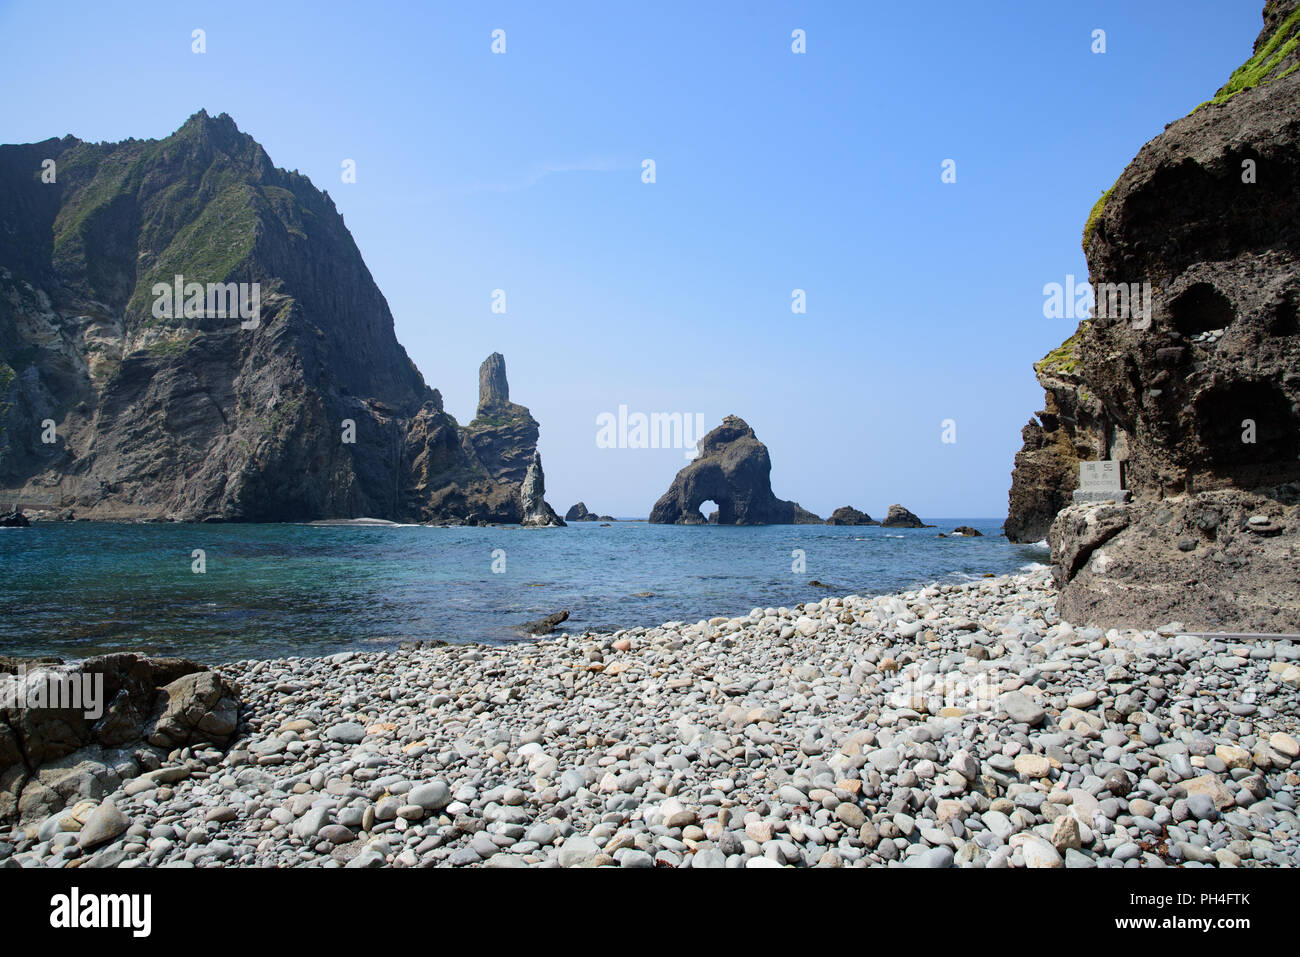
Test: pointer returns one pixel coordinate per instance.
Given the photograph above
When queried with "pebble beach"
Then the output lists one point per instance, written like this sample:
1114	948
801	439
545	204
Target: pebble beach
952	725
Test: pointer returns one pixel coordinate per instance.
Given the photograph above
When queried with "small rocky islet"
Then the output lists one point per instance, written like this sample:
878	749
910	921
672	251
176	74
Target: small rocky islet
946	726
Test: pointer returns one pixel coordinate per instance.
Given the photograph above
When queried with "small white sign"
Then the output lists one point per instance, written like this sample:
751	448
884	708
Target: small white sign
1099	476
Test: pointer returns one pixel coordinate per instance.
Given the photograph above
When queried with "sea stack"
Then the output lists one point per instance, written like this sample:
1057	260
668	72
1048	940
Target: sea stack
848	515
493	389
900	517
579	513
733	469
532	497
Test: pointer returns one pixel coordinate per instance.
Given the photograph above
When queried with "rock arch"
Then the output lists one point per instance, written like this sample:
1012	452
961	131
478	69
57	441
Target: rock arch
733	470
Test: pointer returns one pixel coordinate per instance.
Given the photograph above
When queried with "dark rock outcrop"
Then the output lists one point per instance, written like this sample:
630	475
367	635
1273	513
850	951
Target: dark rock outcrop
900	517
544	626
74	732
579	513
305	408
848	515
734	470
967	531
1071	428
1201	398
14	518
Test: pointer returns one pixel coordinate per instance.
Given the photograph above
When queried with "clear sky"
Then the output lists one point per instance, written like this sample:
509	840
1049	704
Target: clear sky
775	171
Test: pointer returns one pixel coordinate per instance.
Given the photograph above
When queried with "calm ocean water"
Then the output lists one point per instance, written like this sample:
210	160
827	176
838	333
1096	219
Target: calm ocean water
277	590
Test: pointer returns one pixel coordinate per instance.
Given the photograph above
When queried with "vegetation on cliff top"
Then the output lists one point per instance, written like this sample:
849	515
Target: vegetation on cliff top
215	190
1091	225
1064	359
1259	69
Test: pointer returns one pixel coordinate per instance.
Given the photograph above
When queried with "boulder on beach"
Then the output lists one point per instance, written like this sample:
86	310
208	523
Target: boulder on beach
848	515
111	709
900	517
734	470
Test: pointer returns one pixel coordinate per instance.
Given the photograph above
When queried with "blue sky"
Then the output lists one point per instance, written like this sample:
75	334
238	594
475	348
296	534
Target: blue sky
775	171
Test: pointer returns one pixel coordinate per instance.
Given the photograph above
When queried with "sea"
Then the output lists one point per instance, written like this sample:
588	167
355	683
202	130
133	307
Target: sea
218	593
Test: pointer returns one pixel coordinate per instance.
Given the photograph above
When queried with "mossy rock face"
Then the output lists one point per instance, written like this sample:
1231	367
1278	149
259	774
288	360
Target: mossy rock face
1097	209
1064	359
169	347
207	250
1276	58
499	420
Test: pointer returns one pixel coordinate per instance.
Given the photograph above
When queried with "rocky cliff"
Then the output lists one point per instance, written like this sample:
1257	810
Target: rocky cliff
1201	399
1070	428
734	470
188	332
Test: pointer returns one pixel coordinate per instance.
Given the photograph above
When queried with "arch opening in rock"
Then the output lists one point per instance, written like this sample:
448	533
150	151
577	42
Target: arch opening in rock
1249	433
715	512
1201	308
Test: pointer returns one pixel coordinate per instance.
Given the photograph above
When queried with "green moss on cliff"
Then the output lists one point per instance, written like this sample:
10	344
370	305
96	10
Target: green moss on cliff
284	415
97	180
169	347
1064	359
206	250
1097	208
500	417
1256	71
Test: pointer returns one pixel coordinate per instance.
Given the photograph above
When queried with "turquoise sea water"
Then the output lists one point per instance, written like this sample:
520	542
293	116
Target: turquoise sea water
276	590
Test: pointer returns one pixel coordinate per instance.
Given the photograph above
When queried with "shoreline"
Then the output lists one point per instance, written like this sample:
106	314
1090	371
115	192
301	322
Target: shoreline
945	725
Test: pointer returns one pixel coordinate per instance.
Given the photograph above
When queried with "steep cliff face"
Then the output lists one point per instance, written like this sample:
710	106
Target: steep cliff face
734	470
1071	427
1201	399
271	388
